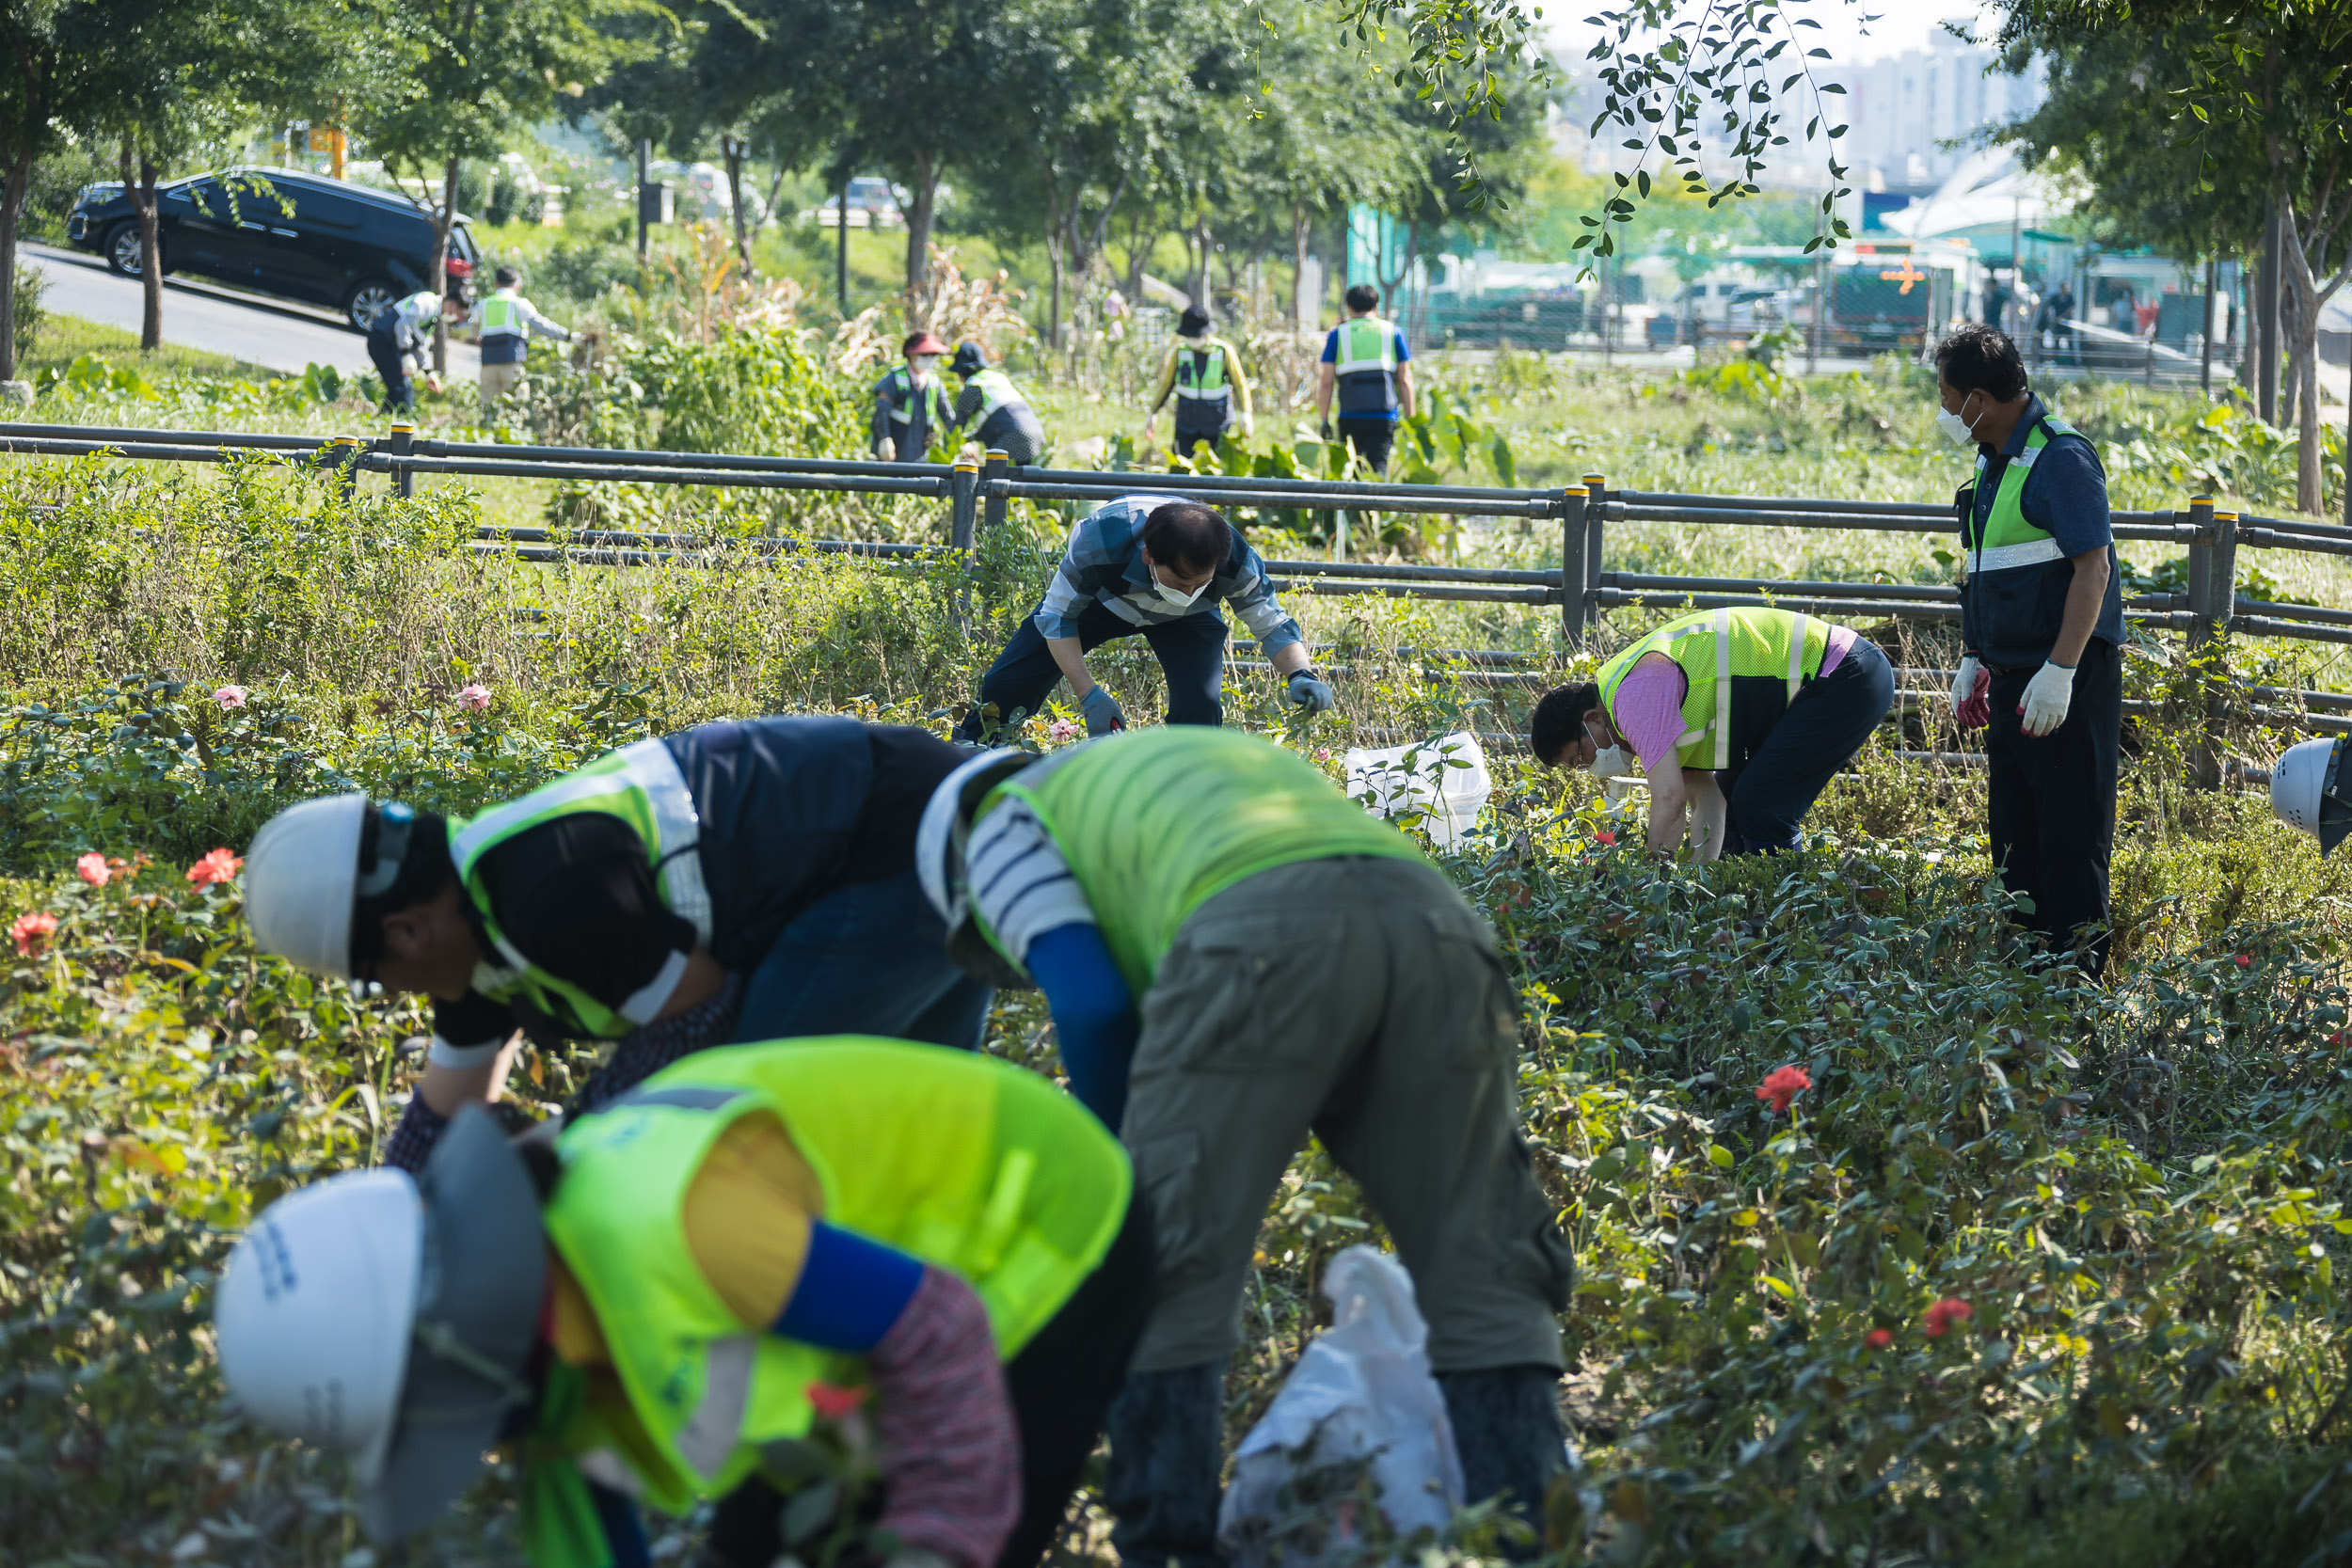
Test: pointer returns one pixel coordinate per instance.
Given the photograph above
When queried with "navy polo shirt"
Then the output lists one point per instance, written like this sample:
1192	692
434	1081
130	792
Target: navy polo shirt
2013	617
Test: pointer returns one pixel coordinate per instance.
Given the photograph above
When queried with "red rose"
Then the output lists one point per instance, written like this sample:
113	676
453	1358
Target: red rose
1782	1085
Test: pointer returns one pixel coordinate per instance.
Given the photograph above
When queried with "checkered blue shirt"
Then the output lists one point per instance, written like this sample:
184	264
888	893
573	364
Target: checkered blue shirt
1104	564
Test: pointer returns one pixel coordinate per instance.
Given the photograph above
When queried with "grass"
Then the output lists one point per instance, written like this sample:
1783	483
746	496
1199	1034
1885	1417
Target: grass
64	338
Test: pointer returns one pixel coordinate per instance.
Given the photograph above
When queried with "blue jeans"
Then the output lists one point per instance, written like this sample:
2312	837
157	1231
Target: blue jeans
1817	735
869	959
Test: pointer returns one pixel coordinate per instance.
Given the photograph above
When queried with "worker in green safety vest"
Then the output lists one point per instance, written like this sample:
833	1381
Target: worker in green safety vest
1739	717
911	1274
1366	366
911	403
1001	418
1236	955
2041	638
1205	375
507	323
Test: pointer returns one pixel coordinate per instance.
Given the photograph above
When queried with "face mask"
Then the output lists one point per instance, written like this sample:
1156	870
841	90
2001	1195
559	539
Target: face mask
1176	596
1956	430
1610	761
925	365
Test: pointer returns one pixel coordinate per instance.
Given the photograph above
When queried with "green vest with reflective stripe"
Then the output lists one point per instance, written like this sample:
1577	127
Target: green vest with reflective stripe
1154	823
903	394
2008	541
966	1162
1366	344
996	389
642	785
1200	372
501	313
1715	648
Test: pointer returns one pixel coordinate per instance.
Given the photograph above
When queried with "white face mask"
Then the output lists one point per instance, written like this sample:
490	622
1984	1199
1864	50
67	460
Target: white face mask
925	366
1956	430
1610	761
1176	596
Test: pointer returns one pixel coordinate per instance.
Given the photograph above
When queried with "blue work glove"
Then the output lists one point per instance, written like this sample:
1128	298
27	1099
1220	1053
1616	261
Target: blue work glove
1102	711
1311	694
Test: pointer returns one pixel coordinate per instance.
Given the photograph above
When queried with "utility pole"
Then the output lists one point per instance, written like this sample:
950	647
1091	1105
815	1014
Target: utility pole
841	249
2205	368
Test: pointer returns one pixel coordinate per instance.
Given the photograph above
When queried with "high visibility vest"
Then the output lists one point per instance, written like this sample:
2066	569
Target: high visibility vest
1203	390
1155	823
1715	648
2010	541
996	390
968	1163
418	309
502	313
902	393
742	825
1364	366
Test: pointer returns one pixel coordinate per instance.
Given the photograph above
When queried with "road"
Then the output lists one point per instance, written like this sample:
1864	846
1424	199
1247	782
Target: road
278	334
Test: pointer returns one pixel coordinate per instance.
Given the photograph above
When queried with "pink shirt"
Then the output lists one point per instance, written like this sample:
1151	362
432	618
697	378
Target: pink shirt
1647	709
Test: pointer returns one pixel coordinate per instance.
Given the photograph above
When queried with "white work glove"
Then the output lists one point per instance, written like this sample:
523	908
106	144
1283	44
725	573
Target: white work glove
1964	682
1249	427
2047	696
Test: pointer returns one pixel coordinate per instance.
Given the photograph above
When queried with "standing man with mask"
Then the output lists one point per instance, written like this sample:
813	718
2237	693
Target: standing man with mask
1740	718
2041	638
911	403
1364	361
507	322
1153	565
1001	418
1205	375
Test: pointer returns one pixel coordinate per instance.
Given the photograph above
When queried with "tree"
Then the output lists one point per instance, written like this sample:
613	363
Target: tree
52	49
462	76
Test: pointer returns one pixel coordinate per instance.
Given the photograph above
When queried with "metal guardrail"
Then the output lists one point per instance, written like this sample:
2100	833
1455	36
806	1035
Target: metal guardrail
1580	588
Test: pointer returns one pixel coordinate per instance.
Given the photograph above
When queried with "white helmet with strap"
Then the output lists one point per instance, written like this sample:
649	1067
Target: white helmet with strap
939	859
2309	791
302	877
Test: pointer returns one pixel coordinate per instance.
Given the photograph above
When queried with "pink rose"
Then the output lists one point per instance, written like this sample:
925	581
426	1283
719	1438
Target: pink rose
476	697
217	866
231	696
31	931
92	869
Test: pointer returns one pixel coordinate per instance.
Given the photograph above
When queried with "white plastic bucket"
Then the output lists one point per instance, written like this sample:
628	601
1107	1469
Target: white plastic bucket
1443	784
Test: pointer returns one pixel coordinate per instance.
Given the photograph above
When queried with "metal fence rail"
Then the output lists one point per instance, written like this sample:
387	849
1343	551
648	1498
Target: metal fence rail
1580	588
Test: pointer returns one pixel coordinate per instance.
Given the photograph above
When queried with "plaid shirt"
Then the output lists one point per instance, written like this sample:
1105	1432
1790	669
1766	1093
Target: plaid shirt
1104	565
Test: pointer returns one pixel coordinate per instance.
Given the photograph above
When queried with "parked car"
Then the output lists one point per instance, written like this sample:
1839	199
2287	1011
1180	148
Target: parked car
873	204
279	232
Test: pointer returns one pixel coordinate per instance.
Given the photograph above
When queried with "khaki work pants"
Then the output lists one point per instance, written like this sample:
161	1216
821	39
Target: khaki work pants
499	380
1360	1000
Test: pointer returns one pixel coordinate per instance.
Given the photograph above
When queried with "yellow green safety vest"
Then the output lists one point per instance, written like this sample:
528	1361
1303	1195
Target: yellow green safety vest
2010	540
1714	648
904	392
501	313
1200	373
1366	344
1154	823
961	1160
997	388
642	786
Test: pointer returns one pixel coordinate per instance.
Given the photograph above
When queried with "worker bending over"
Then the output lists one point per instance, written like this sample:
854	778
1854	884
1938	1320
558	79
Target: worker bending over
1205	375
1236	955
1365	362
653	1306
1739	717
911	403
1153	565
2041	638
399	334
507	322
1001	418
736	881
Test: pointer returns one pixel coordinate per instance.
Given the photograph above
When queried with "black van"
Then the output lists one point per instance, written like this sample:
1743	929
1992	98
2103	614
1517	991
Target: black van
279	232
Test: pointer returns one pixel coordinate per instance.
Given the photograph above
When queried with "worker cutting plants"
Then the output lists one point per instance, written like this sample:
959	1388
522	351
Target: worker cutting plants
1236	955
762	1273
735	882
1157	566
1739	717
1001	418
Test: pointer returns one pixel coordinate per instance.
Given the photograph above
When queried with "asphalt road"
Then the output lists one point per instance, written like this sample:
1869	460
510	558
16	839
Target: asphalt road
278	334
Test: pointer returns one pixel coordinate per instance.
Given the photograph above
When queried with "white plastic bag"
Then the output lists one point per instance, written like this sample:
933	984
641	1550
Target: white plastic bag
1445	781
1361	1391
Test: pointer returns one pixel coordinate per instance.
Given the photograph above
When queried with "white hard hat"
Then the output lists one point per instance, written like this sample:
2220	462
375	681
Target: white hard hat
331	1326
2306	792
939	858
313	1312
299	877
